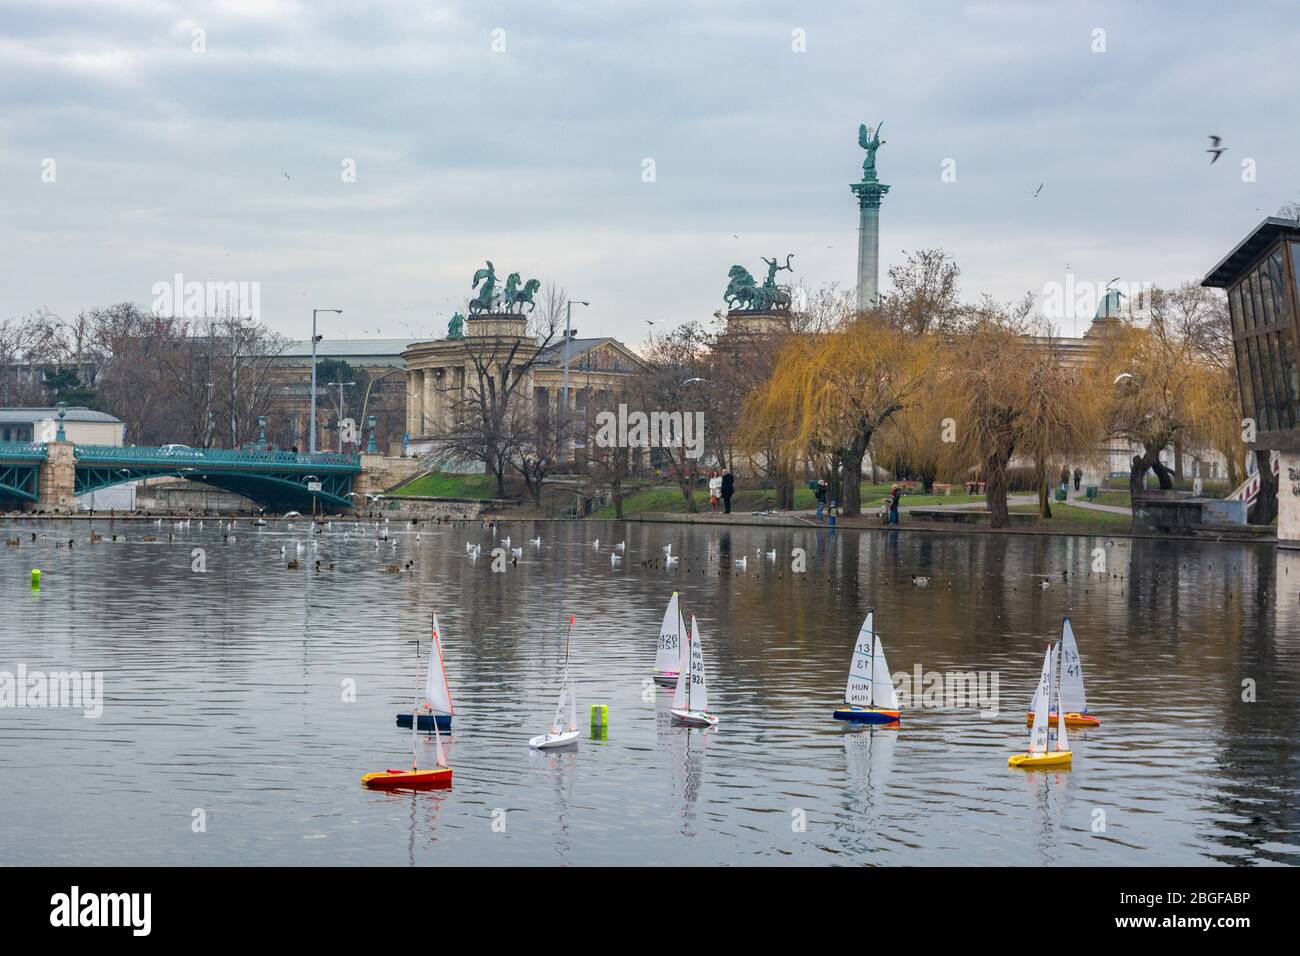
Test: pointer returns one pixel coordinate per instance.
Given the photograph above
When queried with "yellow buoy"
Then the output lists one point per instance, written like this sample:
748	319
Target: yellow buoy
36	579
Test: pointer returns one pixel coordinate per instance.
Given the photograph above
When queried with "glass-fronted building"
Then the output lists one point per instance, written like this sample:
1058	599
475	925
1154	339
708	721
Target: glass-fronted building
1261	276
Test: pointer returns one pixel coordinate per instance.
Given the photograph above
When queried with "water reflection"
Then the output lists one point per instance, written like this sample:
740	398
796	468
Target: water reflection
220	687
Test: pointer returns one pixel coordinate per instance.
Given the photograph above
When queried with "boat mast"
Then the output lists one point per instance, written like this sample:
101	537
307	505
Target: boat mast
415	712
690	661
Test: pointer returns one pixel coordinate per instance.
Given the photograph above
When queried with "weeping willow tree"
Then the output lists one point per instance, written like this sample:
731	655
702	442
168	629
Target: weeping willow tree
829	394
982	397
1159	390
1062	418
1006	393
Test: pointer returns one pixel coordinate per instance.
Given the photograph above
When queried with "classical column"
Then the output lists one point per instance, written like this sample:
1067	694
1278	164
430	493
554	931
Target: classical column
428	420
414	400
869	192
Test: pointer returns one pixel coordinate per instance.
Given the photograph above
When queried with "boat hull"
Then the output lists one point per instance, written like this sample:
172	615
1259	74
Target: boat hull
408	779
694	718
1071	720
426	722
867	715
1053	758
554	741
664	678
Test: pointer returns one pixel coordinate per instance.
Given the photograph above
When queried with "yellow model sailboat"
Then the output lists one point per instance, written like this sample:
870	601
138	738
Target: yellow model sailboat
1041	754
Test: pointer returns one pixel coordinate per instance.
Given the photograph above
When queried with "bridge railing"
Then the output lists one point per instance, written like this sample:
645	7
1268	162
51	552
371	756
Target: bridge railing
197	457
22	450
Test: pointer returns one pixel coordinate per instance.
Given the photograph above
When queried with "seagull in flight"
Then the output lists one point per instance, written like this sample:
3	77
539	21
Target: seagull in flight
1038	190
1216	149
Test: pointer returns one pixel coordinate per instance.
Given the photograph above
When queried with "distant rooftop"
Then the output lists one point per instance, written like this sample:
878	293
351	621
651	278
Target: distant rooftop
24	416
348	348
554	353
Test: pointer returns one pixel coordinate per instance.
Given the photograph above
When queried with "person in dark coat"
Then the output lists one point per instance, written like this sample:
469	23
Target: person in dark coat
819	493
894	494
728	489
1078	477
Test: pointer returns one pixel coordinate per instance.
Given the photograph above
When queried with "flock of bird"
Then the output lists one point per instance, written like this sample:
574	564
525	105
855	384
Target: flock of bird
385	540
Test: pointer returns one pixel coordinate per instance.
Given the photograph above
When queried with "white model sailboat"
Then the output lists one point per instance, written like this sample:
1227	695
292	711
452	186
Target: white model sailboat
1072	697
691	698
668	655
437	710
869	696
1039	754
557	736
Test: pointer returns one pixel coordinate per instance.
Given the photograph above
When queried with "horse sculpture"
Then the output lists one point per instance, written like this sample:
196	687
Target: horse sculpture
742	290
517	298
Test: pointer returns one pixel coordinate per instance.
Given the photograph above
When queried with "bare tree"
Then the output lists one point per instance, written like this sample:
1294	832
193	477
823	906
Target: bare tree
667	382
498	364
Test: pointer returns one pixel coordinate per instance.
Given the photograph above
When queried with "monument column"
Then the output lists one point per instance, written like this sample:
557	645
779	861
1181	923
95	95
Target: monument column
869	192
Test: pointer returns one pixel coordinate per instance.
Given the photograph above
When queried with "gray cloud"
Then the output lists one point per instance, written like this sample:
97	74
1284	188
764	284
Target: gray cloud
173	161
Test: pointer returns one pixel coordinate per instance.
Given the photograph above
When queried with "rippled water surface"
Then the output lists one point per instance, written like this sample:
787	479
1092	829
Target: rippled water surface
225	693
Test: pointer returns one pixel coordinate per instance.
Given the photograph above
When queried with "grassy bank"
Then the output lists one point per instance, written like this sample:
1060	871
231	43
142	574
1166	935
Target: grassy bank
1068	518
668	498
442	485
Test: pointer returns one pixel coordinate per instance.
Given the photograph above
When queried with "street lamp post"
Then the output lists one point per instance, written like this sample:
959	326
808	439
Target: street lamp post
564	392
314	339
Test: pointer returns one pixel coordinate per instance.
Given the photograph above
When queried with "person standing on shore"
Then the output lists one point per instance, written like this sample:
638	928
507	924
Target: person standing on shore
728	487
715	490
894	494
819	493
1078	477
1065	479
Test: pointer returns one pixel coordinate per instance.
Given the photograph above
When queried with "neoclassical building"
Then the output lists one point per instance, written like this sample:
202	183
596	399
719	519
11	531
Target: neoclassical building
439	372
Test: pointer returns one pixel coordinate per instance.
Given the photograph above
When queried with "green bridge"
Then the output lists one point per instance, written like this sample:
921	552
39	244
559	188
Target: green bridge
273	479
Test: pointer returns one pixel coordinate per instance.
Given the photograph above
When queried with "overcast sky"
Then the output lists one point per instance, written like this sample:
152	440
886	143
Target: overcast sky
168	160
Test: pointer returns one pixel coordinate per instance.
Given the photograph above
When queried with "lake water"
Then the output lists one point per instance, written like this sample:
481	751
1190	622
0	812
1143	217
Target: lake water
224	699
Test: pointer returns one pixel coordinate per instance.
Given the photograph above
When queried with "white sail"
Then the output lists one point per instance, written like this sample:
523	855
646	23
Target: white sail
692	691
1038	736
1062	739
559	704
1072	698
671	632
882	683
437	695
437	736
858	691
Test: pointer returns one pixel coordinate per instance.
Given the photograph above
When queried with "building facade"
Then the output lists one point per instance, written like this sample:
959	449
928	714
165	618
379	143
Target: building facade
1261	276
442	373
382	393
82	426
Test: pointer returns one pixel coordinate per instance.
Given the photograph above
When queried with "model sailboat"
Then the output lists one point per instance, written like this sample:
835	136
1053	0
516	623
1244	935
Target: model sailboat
691	698
1071	684
438	708
1039	754
558	737
439	775
668	655
869	697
